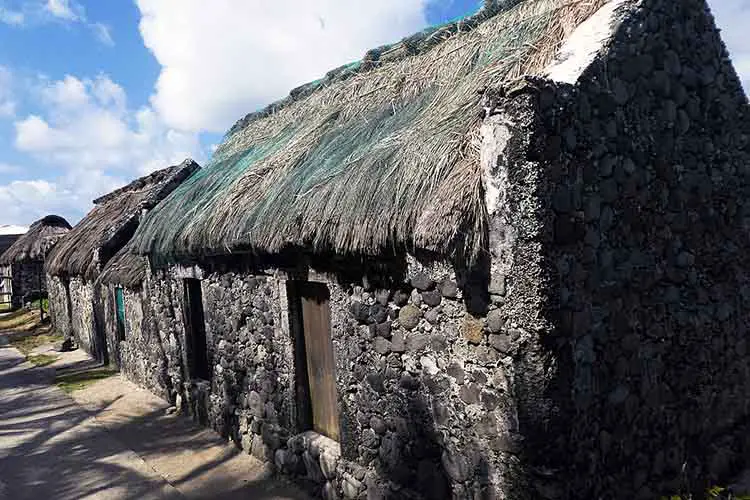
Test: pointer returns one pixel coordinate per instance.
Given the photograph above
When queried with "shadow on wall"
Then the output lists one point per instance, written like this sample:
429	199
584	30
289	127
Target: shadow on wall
410	434
411	453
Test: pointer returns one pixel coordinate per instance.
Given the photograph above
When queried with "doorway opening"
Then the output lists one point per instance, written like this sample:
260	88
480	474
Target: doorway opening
120	309
195	330
316	369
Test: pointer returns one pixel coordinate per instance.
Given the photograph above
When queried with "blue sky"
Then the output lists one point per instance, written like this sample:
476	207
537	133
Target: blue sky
95	93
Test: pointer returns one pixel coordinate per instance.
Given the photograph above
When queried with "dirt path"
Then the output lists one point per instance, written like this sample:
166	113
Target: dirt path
112	440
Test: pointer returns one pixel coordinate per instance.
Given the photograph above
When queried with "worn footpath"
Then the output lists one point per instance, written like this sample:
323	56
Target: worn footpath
111	440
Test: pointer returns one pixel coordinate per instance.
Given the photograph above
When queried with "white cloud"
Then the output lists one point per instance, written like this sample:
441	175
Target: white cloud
65	9
7	168
8	229
87	124
12	17
38	12
222	62
7	104
70	195
733	17
70	92
102	33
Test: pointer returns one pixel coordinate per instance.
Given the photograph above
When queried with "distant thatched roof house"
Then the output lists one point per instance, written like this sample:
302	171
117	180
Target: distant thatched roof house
78	259
38	240
378	156
22	265
111	223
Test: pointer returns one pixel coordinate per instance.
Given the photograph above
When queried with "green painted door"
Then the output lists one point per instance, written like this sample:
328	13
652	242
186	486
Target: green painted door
120	303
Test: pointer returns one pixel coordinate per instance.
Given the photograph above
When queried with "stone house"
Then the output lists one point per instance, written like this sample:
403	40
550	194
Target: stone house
73	266
8	236
23	262
135	340
503	258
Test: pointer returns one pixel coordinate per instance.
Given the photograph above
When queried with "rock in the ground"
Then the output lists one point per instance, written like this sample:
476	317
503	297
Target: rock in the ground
409	317
422	282
472	329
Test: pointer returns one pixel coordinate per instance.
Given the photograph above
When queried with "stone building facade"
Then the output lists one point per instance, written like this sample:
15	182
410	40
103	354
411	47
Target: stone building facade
598	349
22	264
414	370
643	166
27	281
77	299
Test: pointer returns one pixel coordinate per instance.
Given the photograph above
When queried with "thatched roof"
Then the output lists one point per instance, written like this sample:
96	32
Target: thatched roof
6	241
126	268
377	157
38	240
111	223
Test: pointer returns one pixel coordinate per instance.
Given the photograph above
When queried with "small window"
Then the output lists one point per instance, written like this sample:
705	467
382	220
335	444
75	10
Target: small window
195	331
120	307
316	373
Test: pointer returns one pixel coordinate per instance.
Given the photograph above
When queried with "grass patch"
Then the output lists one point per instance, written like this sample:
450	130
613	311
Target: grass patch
45	305
80	380
715	492
21	320
28	343
41	359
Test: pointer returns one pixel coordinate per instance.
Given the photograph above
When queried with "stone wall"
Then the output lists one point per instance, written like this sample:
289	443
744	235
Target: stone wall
645	167
77	310
82	315
59	307
140	355
427	397
6	285
28	282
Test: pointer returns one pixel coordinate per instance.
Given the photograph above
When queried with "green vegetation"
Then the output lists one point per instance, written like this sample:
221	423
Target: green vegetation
45	305
724	493
28	343
715	492
41	359
80	380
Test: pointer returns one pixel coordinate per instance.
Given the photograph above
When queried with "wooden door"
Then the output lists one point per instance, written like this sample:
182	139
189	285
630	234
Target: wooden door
321	370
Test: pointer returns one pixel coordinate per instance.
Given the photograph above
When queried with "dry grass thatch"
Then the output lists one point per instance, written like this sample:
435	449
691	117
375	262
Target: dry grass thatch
126	268
111	223
7	240
37	241
378	157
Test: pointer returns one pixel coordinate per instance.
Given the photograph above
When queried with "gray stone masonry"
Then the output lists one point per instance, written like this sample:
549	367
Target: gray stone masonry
597	349
28	282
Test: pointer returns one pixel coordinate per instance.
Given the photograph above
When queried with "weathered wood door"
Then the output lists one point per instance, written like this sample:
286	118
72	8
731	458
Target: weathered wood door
321	370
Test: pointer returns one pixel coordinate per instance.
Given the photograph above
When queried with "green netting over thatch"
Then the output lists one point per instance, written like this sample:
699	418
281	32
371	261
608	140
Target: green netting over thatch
377	156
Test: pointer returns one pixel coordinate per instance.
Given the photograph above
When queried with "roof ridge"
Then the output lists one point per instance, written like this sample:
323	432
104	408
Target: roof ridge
417	43
145	181
52	220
